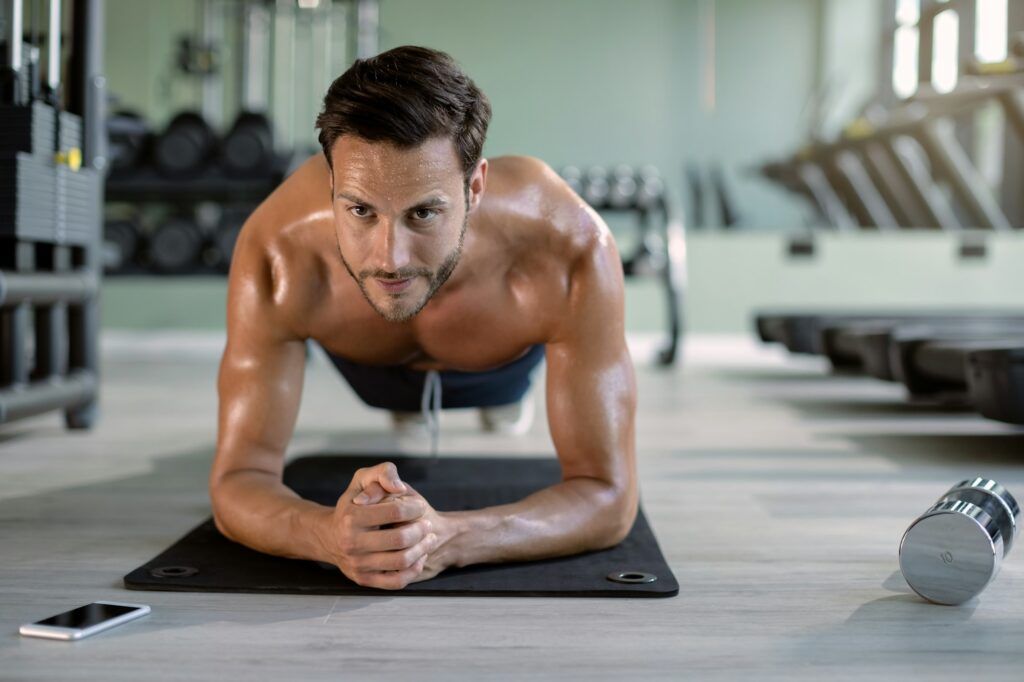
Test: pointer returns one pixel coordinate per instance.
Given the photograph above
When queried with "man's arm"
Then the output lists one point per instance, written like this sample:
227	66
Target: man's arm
591	397
260	386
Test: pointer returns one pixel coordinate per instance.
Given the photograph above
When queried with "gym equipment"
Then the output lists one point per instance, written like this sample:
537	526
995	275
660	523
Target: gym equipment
727	211
660	249
185	146
865	345
248	148
954	550
573	177
129	138
176	246
886	169
120	245
224	237
622	192
995	383
928	366
651	188
596	186
204	560
50	195
803	331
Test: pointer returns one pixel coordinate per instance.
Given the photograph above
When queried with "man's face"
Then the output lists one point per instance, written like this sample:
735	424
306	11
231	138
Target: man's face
400	216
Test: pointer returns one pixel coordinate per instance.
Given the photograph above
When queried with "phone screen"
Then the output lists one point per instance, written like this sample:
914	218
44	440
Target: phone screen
87	616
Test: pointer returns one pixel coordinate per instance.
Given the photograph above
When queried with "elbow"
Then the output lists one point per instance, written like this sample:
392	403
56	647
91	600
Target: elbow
616	519
221	524
217	505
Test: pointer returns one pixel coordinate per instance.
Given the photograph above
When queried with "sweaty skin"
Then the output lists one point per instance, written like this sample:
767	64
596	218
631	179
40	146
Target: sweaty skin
537	265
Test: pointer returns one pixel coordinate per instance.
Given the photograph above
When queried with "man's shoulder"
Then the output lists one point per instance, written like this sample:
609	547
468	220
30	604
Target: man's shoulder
547	205
281	244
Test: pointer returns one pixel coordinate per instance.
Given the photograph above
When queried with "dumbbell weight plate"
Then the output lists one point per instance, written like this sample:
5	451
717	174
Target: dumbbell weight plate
185	146
175	246
120	244
951	552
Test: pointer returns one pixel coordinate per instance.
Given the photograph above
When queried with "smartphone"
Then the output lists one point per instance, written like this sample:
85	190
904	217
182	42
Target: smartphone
85	620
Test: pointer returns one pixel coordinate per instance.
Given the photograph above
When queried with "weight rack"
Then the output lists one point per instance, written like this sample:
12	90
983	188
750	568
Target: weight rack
51	193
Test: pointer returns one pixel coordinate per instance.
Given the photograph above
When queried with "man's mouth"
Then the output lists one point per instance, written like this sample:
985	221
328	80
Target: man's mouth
393	286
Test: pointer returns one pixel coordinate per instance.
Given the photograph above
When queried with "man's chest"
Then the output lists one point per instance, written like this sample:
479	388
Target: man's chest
468	330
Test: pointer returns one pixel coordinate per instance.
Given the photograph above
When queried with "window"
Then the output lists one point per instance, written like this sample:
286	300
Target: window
905	48
991	31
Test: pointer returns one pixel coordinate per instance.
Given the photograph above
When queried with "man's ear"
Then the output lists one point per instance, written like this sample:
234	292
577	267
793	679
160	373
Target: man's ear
477	183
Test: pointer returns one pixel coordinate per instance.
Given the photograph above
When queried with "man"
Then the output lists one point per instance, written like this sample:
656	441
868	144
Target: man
402	250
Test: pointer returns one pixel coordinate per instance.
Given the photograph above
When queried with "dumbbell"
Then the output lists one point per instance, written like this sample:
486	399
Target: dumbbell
596	186
248	148
622	192
185	146
952	551
224	237
175	246
129	137
120	244
573	177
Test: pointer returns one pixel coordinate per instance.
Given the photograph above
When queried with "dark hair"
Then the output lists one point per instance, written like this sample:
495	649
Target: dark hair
405	96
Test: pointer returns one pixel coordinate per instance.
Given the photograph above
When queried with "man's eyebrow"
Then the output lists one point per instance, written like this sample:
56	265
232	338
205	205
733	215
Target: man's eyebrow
354	199
429	202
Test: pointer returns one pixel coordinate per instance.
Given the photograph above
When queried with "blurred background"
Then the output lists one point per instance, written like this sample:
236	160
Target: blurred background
726	98
747	153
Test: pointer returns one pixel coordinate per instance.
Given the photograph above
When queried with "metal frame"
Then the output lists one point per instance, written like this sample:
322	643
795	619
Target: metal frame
53	280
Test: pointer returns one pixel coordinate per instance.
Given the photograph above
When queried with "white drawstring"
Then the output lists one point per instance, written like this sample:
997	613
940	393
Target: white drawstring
430	406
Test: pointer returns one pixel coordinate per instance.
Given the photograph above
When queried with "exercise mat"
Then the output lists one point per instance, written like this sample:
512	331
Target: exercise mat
206	561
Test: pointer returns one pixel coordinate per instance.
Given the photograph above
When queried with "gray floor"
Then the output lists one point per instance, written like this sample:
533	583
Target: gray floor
778	493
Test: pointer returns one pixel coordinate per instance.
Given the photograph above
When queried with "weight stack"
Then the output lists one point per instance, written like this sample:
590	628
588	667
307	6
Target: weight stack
18	89
44	201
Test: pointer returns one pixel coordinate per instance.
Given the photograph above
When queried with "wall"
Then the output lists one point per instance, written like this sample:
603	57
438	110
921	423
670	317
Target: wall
605	82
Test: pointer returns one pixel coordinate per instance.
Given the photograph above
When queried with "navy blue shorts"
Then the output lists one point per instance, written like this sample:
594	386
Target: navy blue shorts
398	388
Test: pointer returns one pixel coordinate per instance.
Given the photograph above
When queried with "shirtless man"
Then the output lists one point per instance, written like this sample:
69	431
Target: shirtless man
389	253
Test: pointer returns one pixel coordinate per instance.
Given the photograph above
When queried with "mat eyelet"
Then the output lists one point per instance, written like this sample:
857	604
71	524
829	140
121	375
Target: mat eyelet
631	577
173	572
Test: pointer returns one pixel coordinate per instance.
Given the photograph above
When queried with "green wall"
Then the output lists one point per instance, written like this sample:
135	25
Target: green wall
606	81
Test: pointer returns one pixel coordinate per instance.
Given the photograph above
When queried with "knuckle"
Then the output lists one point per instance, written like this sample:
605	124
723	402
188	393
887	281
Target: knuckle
346	545
408	535
407	558
394	513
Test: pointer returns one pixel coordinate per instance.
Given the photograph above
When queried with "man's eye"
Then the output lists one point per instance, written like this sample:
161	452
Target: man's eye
424	213
359	211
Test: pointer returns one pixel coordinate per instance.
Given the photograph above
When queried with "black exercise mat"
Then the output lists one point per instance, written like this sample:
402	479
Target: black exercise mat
206	561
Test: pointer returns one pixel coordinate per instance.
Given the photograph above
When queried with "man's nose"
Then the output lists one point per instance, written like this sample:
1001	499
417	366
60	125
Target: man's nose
390	247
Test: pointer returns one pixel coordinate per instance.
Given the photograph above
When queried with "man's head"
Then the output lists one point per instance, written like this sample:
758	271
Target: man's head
403	133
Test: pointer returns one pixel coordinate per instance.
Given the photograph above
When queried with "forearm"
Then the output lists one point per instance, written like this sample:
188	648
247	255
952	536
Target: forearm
255	509
576	515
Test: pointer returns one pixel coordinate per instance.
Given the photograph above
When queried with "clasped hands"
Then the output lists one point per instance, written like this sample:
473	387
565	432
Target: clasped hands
384	534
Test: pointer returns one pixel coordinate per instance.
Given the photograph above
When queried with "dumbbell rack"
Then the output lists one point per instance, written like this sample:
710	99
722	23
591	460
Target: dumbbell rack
144	188
661	247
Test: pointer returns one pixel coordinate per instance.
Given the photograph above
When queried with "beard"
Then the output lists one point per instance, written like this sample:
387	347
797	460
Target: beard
436	279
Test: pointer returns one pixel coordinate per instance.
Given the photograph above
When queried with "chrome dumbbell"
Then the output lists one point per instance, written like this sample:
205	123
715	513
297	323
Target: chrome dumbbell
953	550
